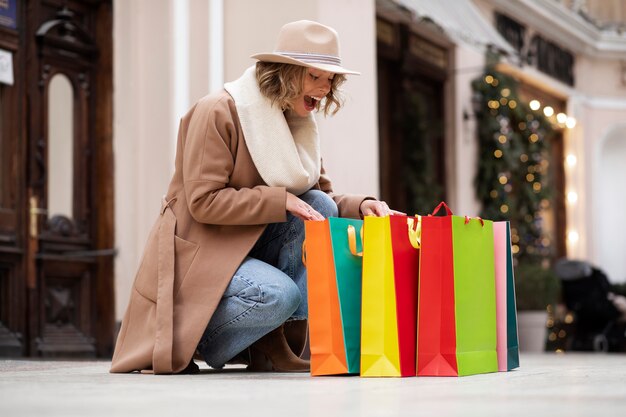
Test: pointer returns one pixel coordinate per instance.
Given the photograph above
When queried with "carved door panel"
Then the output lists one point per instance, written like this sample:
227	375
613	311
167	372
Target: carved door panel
12	184
66	199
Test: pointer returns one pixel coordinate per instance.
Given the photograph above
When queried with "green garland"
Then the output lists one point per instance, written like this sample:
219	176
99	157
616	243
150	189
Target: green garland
512	181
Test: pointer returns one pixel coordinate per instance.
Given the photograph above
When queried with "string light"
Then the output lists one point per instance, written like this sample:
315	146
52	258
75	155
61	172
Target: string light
512	126
548	111
572	236
534	105
570	123
571	160
572	197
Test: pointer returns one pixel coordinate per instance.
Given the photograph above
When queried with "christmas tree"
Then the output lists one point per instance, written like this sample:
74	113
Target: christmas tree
512	179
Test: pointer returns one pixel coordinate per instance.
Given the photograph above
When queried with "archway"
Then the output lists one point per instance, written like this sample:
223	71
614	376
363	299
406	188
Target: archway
610	197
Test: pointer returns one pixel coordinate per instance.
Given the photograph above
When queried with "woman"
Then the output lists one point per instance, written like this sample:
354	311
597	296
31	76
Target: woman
222	267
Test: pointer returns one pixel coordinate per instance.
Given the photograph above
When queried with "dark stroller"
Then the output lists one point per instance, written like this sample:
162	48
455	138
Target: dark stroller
585	291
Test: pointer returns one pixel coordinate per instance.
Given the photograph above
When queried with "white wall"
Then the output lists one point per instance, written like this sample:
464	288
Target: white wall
350	138
469	63
252	27
143	102
611	200
599	176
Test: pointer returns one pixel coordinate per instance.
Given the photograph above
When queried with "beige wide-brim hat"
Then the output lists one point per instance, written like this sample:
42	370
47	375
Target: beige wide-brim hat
308	44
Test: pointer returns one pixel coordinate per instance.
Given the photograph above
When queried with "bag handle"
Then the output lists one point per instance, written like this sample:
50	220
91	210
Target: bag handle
414	225
468	218
444	205
352	240
304	252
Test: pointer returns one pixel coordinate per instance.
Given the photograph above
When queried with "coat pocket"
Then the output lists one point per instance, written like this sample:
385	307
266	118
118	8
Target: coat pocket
186	252
146	280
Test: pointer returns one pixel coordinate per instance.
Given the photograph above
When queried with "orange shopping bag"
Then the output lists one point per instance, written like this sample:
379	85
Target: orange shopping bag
334	295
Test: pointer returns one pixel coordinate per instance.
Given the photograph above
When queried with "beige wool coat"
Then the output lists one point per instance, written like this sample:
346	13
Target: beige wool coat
216	208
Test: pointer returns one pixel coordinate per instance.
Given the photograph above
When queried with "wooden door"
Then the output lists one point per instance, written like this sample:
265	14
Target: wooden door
12	185
61	276
412	73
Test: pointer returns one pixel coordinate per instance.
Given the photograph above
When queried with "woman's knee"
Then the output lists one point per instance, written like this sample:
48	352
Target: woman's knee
321	202
281	299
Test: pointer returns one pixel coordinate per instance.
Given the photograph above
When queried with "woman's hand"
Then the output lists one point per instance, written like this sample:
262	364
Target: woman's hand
301	209
376	208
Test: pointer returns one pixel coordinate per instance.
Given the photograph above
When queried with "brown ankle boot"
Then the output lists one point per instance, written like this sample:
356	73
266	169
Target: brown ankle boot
242	358
271	352
296	335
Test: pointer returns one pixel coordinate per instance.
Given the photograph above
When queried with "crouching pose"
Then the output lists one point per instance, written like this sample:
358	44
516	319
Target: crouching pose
222	276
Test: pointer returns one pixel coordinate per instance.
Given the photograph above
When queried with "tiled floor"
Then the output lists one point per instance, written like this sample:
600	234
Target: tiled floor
546	385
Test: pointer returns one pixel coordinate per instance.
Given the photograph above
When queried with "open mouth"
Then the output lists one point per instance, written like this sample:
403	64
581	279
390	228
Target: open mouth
310	102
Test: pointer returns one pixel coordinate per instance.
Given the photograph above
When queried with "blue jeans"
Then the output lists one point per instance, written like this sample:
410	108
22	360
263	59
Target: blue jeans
268	288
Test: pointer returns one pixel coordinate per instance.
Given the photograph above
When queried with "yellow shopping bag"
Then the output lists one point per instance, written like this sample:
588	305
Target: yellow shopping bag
389	297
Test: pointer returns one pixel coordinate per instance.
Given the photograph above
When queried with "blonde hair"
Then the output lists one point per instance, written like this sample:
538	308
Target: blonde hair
283	83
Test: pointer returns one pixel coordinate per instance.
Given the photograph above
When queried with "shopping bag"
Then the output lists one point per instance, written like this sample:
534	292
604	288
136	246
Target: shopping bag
456	297
334	295
388	319
506	311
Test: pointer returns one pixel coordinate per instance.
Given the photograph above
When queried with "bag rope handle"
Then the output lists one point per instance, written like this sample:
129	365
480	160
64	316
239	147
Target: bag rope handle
352	240
414	225
468	218
444	205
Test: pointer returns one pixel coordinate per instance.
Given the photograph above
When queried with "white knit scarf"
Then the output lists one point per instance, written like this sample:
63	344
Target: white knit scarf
285	150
